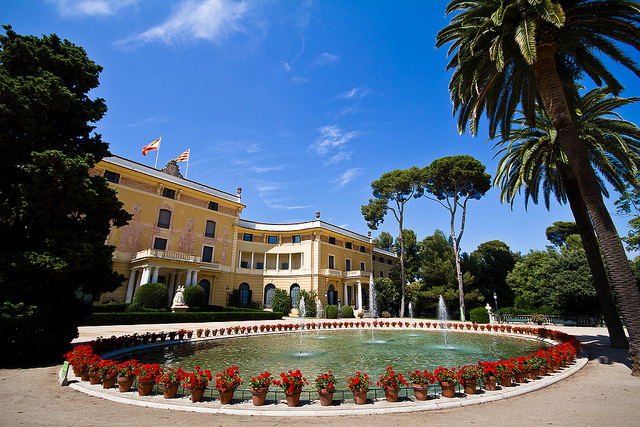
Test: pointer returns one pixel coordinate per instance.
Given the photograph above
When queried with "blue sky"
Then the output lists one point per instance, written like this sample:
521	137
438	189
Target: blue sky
301	103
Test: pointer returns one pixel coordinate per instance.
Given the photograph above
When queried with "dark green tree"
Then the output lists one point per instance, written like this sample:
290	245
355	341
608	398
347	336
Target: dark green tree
387	295
391	193
558	233
411	257
453	181
629	204
54	216
513	52
494	260
384	241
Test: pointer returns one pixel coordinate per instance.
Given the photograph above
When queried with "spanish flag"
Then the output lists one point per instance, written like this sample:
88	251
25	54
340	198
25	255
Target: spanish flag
184	157
151	147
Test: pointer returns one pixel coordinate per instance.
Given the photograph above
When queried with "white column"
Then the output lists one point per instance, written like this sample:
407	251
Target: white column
240	259
278	262
252	264
345	301
177	280
146	274
131	286
264	261
188	281
156	270
194	278
359	295
172	277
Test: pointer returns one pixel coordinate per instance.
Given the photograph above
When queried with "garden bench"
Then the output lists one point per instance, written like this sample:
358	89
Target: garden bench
516	320
565	322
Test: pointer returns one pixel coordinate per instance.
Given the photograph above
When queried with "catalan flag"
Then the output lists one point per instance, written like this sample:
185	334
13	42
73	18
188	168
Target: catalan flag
184	157
151	147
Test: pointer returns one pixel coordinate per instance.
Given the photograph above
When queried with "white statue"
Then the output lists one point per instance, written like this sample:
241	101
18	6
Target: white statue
178	299
488	307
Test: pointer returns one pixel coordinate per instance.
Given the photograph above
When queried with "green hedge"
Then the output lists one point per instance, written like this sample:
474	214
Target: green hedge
346	312
194	296
110	308
479	315
218	308
151	295
99	319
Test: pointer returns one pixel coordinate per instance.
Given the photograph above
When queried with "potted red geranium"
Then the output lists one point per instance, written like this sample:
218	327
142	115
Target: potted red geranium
227	382
197	382
448	378
259	387
326	386
126	372
147	375
170	380
420	382
292	383
469	378
391	383
359	385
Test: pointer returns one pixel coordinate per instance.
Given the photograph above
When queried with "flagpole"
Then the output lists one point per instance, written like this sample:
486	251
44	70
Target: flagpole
187	171
155	166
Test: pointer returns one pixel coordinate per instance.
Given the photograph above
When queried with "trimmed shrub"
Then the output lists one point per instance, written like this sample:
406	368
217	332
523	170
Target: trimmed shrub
110	308
331	312
281	302
97	319
151	295
479	315
346	312
193	296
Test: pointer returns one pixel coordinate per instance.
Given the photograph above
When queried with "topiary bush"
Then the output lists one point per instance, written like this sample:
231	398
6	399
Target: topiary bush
331	312
479	315
193	296
281	302
346	312
151	295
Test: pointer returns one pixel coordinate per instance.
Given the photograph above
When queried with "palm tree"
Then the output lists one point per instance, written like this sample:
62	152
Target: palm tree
513	53
532	158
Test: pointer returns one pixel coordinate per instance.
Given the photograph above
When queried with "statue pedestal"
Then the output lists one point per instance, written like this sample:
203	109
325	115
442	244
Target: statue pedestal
179	308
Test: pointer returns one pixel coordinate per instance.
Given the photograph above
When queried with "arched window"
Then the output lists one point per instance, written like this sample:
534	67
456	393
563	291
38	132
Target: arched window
245	295
269	290
331	300
206	285
295	294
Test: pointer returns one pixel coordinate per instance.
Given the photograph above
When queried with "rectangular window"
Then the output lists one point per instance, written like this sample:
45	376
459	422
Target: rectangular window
285	266
260	265
332	240
389	261
210	230
160	243
348	245
295	239
164	218
207	254
363	266
244	264
347	265
247	237
373	258
168	193
272	240
381	259
381	273
213	206
362	249
332	262
112	176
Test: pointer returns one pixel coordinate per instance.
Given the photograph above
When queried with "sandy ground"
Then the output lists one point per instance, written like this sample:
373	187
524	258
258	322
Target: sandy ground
602	393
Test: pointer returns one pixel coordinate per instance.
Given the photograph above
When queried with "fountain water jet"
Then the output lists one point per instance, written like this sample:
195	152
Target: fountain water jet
410	310
442	316
302	313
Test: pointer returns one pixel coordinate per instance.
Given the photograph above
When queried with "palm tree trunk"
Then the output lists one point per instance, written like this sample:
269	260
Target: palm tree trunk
624	285
402	284
617	336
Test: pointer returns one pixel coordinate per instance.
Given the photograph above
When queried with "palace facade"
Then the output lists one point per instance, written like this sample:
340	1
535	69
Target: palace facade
184	233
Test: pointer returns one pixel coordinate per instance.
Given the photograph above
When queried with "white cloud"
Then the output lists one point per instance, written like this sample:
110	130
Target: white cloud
196	19
348	176
253	148
90	7
341	156
326	59
331	137
356	92
299	80
258	169
265	191
350	109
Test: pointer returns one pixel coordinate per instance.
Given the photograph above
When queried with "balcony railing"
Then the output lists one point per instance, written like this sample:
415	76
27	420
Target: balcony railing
333	273
169	255
355	274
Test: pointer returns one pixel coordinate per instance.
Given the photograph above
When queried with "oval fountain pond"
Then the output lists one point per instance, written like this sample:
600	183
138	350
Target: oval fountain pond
342	351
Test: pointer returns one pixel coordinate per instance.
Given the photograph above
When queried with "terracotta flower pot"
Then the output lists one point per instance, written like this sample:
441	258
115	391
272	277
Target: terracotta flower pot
519	377
360	397
421	392
532	374
109	382
293	398
145	387
84	374
170	390
226	395
391	394
124	384
326	397
94	379
505	380
490	383
470	386
196	394
259	396
448	389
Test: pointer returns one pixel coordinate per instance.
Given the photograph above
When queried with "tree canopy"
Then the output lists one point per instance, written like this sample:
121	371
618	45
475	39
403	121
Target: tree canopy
558	233
54	216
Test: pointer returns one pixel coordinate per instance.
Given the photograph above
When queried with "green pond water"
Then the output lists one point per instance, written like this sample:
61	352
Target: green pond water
342	351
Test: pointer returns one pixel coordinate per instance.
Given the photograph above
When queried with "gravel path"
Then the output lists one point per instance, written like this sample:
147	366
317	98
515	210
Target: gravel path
602	393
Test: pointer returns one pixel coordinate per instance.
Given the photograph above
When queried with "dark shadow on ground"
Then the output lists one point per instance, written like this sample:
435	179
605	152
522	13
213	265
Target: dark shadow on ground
600	350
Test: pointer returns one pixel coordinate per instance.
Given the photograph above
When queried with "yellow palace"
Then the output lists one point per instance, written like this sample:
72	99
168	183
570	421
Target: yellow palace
184	233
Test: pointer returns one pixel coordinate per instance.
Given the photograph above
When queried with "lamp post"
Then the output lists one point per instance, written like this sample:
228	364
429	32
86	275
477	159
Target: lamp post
495	298
325	298
227	300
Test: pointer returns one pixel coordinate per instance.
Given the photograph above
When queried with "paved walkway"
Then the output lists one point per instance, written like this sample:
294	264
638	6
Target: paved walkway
602	393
